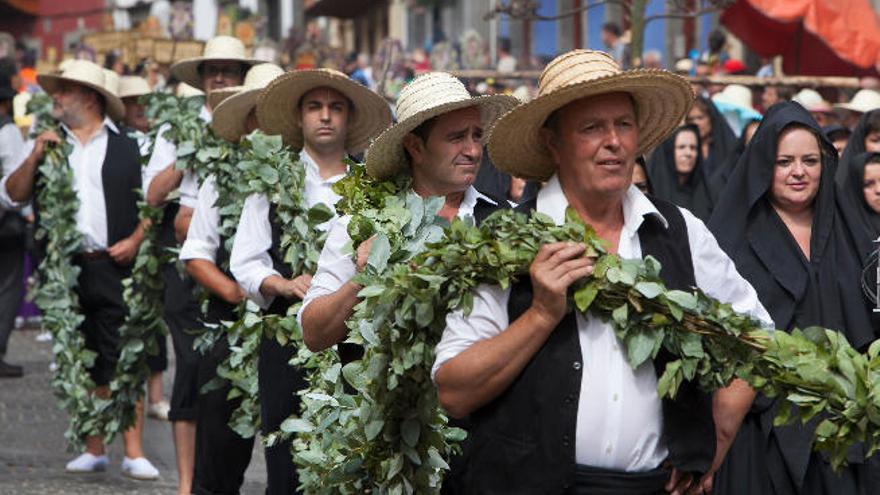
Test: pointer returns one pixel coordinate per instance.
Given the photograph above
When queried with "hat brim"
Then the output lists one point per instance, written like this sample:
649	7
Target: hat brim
847	106
229	119
115	108
187	70
386	157
219	96
277	107
662	101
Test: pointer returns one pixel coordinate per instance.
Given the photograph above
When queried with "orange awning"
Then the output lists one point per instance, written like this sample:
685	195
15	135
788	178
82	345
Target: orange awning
818	37
31	7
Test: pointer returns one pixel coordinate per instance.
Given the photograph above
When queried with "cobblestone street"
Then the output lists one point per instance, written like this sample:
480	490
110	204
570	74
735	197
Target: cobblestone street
33	452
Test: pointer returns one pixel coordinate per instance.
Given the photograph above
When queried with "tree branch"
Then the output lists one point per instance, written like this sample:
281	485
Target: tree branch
525	10
690	14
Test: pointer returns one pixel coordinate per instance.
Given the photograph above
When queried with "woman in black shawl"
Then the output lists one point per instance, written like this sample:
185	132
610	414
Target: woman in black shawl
718	139
865	138
780	221
719	177
677	175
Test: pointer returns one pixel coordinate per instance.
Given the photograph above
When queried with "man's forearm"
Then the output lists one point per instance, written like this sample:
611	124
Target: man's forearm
485	370
20	184
273	286
181	223
324	318
138	235
729	407
162	184
215	281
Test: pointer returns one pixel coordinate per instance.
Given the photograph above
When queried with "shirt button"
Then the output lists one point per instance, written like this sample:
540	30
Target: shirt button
608	450
565	440
569	399
576	365
615	397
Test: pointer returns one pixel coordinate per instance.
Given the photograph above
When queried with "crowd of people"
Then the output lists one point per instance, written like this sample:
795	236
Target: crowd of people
769	203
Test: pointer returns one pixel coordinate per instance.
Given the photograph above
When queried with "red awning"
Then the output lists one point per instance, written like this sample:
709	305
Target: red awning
815	37
30	7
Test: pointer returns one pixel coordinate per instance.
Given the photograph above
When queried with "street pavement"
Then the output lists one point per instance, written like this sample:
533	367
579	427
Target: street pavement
33	451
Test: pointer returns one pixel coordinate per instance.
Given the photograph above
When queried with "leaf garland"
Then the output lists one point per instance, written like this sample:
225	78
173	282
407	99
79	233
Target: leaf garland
392	437
55	291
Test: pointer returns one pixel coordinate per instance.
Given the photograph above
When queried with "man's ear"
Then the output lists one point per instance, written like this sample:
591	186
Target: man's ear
551	141
414	146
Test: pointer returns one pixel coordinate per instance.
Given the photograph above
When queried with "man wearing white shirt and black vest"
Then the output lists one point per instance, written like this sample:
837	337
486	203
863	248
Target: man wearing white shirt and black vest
555	407
106	177
438	140
325	114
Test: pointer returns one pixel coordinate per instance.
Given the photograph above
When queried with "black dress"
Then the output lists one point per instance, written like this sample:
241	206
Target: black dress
797	292
694	194
723	139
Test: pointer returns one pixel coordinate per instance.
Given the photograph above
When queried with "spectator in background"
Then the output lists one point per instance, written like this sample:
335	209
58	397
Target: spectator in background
652	59
864	101
611	38
506	61
774	94
357	68
717	54
12	233
766	69
838	135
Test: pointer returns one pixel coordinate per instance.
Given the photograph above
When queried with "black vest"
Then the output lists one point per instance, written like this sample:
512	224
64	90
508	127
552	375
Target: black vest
279	305
121	179
219	310
523	442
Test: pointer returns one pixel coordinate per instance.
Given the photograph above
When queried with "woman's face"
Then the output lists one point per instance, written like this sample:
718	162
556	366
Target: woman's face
685	152
797	171
871	186
640	178
872	142
700	119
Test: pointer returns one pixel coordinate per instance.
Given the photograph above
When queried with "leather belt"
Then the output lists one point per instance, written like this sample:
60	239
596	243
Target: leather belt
91	256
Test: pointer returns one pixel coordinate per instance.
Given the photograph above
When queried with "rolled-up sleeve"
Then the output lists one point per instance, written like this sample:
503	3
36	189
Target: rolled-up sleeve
203	238
487	319
14	162
164	154
335	265
716	274
249	261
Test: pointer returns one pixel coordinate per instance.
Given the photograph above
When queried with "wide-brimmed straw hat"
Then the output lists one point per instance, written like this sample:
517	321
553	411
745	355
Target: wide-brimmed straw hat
812	101
235	103
277	107
217	49
863	101
735	94
184	90
133	87
662	99
90	75
427	96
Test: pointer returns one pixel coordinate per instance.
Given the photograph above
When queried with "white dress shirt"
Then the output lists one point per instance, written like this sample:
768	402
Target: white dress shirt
87	162
203	236
11	144
336	265
249	261
164	154
619	420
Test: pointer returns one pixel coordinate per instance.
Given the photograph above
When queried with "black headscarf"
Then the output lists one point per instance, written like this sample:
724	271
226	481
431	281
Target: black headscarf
855	145
723	139
797	292
719	176
694	193
868	219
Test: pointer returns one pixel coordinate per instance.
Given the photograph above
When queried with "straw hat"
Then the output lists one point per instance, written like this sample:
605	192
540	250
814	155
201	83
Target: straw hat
427	96
133	87
86	74
277	107
812	101
184	90
735	94
230	116
217	49
864	101
662	100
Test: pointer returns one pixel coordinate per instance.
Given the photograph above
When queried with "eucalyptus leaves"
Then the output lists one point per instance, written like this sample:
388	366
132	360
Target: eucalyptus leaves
392	437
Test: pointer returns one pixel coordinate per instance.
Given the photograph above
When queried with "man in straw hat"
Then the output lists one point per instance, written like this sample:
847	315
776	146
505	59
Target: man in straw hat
326	115
107	218
601	428
221	454
223	64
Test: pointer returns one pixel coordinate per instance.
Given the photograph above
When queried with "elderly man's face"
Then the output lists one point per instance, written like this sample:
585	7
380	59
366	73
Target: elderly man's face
135	114
594	143
70	102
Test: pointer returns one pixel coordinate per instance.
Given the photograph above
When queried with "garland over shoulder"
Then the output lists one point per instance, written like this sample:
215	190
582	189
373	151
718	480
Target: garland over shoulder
392	436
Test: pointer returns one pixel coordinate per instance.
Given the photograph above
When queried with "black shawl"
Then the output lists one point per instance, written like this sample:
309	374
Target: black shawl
855	146
824	290
694	193
723	140
719	176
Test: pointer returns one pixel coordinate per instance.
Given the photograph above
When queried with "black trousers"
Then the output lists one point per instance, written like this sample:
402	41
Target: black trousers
99	289
222	456
278	383
11	290
182	316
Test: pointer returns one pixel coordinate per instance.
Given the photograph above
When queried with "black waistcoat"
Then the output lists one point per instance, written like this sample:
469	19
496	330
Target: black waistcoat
121	179
218	309
279	305
524	440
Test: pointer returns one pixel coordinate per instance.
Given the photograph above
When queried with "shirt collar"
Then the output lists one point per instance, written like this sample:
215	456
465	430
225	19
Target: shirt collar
313	170
552	202
106	124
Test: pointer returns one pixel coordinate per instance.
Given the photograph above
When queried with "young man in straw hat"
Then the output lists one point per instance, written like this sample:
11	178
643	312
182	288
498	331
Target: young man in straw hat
107	218
601	427
221	455
222	64
326	115
131	89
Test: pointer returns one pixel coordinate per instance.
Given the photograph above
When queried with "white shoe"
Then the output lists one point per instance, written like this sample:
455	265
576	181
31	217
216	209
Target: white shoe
87	463
43	336
139	469
159	410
